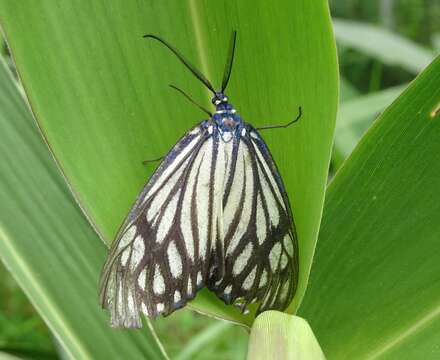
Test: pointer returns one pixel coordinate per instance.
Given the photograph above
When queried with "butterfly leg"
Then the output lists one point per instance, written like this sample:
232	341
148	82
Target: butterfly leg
283	125
146	162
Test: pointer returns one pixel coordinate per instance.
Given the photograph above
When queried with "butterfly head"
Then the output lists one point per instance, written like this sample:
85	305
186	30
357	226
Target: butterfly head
225	116
219	98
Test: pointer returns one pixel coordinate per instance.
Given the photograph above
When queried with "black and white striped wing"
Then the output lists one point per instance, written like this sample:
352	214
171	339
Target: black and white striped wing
151	264
214	214
260	244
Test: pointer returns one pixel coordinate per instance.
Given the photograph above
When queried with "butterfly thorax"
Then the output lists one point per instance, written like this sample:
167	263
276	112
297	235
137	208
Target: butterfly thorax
225	116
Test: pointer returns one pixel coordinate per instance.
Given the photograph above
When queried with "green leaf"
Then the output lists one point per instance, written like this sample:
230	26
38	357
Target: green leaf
6	356
48	246
355	116
380	43
202	339
275	335
347	91
99	92
374	289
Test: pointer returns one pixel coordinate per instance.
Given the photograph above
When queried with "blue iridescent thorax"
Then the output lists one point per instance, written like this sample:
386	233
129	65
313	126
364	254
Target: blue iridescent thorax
225	116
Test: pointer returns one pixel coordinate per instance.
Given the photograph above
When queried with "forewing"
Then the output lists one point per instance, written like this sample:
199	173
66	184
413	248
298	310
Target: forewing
150	265
261	250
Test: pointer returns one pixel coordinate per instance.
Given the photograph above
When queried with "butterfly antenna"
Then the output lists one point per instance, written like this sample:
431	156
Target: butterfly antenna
185	62
190	99
229	61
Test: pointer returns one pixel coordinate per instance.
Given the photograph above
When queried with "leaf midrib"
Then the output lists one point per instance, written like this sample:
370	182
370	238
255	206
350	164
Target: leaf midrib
399	338
201	52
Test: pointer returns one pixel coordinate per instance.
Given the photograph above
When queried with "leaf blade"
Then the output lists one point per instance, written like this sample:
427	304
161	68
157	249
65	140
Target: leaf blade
372	273
282	336
82	101
382	44
43	257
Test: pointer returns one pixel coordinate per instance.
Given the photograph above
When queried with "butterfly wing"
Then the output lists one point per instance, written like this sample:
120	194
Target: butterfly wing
214	214
260	243
150	265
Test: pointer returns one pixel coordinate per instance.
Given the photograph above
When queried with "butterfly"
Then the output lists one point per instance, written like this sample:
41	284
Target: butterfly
214	214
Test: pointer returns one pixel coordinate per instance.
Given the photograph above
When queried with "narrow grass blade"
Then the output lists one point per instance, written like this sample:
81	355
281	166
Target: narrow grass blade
382	44
48	246
355	116
202	339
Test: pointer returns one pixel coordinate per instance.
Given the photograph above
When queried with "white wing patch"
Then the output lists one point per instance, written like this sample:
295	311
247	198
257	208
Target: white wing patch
125	256
171	169
263	279
246	209
274	214
288	245
138	252
228	290
242	259
186	218
270	175
174	260
167	220
231	207
162	194
177	296
201	195
160	307
127	237
249	281
260	222
141	279
274	256
189	288
158	282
